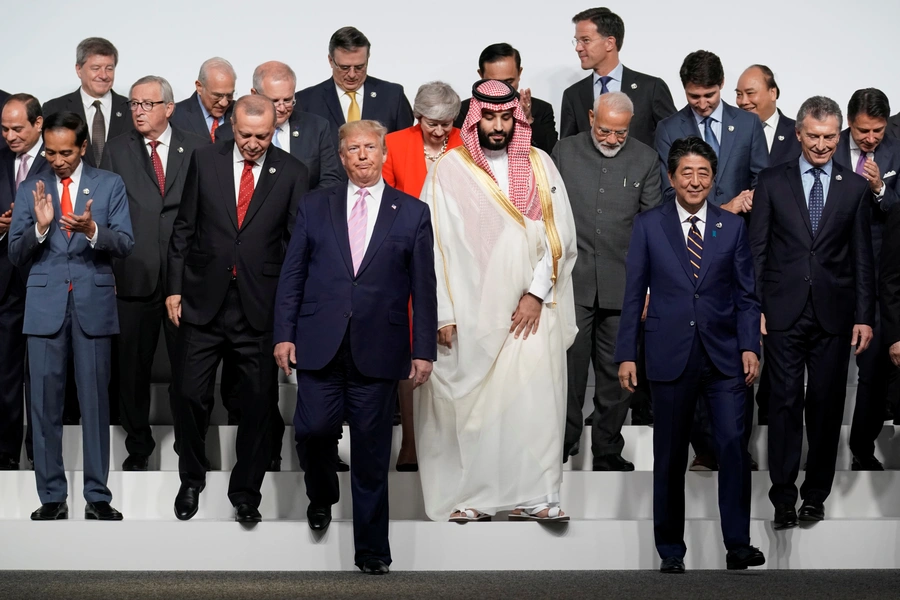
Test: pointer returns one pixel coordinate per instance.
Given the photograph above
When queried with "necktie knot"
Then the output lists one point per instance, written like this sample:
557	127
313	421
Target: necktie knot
249	164
604	81
154	144
97	104
694	219
362	193
66	181
816	172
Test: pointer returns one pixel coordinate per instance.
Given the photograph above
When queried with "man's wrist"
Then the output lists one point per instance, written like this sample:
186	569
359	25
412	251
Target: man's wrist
535	296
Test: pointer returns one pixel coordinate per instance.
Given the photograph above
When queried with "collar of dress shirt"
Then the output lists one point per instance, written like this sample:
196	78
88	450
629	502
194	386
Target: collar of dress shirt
239	158
716	114
285	128
854	147
376	191
33	153
165	138
341	91
206	113
76	179
88	101
684	215
773	120
805	166
616	74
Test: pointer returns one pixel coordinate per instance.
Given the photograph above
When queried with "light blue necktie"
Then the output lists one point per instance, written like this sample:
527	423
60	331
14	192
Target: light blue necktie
275	138
816	199
709	135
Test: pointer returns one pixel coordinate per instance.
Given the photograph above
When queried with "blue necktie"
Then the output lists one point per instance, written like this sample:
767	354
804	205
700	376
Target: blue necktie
709	135
816	200
275	138
603	81
695	246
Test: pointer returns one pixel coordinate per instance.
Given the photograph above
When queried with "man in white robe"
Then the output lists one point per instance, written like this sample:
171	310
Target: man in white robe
491	418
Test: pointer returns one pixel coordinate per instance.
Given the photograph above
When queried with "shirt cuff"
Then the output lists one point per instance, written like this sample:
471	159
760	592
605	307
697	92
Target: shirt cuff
880	194
93	240
37	233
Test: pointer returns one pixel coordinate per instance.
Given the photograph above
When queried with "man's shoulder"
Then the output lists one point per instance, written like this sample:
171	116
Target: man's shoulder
189	103
641	78
188	139
677	117
382	85
57	104
314	89
101	175
540	106
719	215
308	120
573	89
747	120
640	151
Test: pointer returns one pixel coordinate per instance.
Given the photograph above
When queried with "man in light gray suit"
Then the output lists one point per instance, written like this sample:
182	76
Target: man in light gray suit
609	177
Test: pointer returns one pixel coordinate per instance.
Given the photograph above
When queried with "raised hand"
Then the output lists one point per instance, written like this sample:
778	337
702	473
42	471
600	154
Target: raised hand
82	223
43	207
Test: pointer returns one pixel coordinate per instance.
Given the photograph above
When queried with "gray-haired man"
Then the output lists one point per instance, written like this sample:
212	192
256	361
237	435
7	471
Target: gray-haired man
211	104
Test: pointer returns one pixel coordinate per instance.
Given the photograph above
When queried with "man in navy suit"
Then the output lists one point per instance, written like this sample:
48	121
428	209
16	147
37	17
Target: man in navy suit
864	148
350	94
71	224
358	252
811	239
702	339
21	157
211	104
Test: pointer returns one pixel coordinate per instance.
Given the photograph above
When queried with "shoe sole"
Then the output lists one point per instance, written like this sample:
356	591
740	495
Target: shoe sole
90	517
741	566
59	517
783	526
810	518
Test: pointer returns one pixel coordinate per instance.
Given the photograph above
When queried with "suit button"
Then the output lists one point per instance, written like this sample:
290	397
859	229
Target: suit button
692	323
602	190
604	169
355	284
696	295
238	242
599	210
229	269
346	315
806	278
812	253
599	232
67	281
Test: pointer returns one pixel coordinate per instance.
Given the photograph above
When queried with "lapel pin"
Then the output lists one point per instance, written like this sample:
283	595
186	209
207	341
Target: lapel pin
43	154
637	184
180	150
394	206
838	177
271	170
634	86
296	134
373	94
85	191
553	190
718	226
731	128
780	138
118	114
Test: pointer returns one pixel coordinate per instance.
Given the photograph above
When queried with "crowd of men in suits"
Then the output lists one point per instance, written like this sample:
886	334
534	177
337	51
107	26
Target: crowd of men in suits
149	174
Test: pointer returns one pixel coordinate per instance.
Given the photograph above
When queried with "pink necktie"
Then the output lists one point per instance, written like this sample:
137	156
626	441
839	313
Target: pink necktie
23	170
861	163
356	224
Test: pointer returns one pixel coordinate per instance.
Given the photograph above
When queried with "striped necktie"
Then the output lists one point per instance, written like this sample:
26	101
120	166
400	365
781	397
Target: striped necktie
695	246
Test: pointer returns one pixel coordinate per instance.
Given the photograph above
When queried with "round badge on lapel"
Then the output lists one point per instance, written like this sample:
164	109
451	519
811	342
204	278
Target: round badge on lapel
118	114
373	94
634	86
180	150
85	191
295	134
272	170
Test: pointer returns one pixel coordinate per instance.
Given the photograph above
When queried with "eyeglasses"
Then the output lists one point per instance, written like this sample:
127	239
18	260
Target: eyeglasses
217	97
347	68
285	103
585	41
605	133
146	105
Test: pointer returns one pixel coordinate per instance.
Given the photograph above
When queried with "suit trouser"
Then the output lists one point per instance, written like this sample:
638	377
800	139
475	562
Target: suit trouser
673	408
231	401
199	349
875	369
702	439
806	345
12	367
595	343
325	398
48	357
140	320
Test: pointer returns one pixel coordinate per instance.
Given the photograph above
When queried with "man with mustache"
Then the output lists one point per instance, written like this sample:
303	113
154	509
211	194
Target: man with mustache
504	251
610	177
812	247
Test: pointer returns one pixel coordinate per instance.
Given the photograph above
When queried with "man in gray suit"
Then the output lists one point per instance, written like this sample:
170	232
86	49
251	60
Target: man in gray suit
610	177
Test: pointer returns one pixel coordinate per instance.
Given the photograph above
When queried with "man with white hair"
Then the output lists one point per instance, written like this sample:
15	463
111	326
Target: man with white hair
211	104
610	177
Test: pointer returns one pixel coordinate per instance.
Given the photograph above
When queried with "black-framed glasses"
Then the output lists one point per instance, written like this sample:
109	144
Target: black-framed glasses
147	105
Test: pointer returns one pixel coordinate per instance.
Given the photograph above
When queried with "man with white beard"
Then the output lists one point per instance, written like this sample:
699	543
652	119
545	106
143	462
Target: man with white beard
609	178
493	411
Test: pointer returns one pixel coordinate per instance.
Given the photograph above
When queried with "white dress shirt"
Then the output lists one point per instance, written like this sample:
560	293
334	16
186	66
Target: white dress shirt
89	110
769	127
165	142
854	158
542	282
684	215
283	134
239	169
614	84
345	99
78	198
716	117
373	204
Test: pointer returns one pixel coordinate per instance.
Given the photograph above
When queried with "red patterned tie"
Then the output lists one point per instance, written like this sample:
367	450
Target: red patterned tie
212	130
244	195
157	167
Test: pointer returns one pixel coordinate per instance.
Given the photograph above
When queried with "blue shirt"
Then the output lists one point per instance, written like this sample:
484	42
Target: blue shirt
208	117
613	85
808	180
716	117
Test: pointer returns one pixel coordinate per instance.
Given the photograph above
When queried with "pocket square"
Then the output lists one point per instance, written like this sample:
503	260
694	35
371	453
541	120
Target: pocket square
889	174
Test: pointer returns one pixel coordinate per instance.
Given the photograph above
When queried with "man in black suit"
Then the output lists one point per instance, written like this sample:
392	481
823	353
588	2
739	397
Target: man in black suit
350	94
104	111
233	226
209	107
811	240
893	129
866	150
152	161
599	34
504	63
21	157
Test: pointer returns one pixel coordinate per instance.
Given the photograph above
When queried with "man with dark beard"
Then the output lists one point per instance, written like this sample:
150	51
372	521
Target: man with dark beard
610	178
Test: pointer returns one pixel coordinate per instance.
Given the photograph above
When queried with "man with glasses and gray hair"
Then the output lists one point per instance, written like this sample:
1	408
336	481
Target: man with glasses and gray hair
210	106
610	178
152	160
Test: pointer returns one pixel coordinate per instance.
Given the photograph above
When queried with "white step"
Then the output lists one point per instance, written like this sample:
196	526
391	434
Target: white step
135	545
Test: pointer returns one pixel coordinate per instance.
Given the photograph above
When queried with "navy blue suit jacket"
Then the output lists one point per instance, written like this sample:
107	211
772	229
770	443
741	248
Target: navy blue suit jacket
188	116
785	146
319	297
721	305
742	151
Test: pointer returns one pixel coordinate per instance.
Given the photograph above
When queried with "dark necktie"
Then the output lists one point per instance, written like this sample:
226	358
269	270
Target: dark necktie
157	167
816	199
709	135
695	246
603	81
98	132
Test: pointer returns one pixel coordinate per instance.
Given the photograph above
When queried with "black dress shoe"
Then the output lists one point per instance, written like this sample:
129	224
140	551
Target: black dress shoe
589	420
866	463
274	465
704	462
51	511
812	511
244	513
612	462
342	467
754	466
101	511
135	462
8	462
375	566
672	565
785	516
187	501
748	556
641	417
408	467
318	517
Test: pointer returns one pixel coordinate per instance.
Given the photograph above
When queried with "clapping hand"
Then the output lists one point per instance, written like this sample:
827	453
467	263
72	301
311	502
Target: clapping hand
80	223
43	207
6	219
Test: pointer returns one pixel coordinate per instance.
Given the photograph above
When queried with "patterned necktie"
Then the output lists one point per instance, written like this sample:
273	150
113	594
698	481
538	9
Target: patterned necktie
157	167
709	135
353	111
695	246
245	193
98	132
603	81
816	199
22	173
212	129
356	226
861	163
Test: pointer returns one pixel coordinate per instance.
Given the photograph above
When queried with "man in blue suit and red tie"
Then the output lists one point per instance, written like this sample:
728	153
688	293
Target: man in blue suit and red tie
702	340
71	224
358	252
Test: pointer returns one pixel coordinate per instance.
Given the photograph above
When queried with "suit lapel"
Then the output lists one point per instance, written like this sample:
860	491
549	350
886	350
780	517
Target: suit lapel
370	105
296	136
174	159
689	123
390	206
269	174
793	176
675	234
727	137
329	91
337	202
225	171
781	135
140	154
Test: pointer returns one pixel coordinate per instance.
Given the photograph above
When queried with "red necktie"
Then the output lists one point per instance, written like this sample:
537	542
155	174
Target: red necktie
65	205
245	193
212	130
157	167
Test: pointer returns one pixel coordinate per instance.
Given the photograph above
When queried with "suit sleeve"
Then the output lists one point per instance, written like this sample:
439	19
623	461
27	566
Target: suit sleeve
760	224
183	230
543	131
292	282
637	280
23	242
890	279
423	284
891	198
651	194
745	299
404	112
118	238
864	261
663	145
567	124
663	107
759	152
329	167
